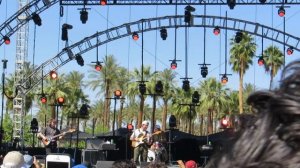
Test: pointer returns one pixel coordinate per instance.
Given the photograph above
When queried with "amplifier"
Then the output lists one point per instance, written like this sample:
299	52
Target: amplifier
106	146
92	156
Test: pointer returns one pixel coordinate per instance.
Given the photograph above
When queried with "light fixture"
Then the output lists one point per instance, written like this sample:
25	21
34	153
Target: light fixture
238	37
281	11
43	98
6	40
103	2
64	31
262	1
216	30
204	71
60	100
163	33
142	88
98	66
290	50
135	36
231	3
261	61
53	74
118	93
79	59
36	19
173	64
224	79
187	14
195	97
84	15
224	123
186	85
159	88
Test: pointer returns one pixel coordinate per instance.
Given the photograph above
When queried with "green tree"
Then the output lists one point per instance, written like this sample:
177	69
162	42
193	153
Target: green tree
241	55
273	61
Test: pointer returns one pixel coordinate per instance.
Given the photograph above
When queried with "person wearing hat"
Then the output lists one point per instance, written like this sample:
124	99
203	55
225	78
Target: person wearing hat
158	141
13	159
140	141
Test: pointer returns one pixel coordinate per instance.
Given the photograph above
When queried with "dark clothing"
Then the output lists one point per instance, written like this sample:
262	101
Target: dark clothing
159	141
49	132
160	137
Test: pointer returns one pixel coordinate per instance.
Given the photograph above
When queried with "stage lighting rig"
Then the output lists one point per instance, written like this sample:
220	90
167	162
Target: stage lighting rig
64	31
290	51
163	33
204	70
188	14
53	74
174	63
36	19
186	84
261	61
216	30
195	97
231	3
79	59
238	37
135	36
6	40
281	11
224	78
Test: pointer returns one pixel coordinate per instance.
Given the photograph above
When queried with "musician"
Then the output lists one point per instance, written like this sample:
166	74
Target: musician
140	141
49	132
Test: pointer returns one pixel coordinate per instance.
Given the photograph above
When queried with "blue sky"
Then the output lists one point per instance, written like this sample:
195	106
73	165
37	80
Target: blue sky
157	52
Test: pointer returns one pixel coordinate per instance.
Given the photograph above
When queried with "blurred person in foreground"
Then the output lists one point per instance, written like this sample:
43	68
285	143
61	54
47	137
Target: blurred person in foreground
273	140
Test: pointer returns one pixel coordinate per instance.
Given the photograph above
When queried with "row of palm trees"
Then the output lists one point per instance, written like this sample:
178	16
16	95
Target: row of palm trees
215	101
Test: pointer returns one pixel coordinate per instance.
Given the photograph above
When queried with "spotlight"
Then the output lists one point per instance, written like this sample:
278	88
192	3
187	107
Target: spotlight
36	19
187	17
53	75
163	33
224	123
173	64
98	66
64	31
83	16
118	93
290	51
262	1
217	31
159	88
195	97
79	59
103	2
6	40
238	37
43	98
135	36
261	61
142	88
231	3
84	110
281	11
224	79
186	85
34	125
204	71
172	121
60	101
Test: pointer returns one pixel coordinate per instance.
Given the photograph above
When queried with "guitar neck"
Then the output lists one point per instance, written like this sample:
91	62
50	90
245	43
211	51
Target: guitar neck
55	136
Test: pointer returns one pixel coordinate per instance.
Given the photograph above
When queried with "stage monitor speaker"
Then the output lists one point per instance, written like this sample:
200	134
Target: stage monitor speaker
92	156
104	164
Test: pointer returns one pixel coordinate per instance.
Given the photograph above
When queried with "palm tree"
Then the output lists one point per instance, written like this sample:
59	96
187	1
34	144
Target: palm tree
273	61
241	55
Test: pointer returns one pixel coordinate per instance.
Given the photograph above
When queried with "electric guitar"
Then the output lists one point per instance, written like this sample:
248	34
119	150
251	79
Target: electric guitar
141	140
46	140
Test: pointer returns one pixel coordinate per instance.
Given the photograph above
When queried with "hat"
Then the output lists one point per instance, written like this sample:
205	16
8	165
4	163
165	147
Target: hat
190	164
13	159
157	126
28	161
145	123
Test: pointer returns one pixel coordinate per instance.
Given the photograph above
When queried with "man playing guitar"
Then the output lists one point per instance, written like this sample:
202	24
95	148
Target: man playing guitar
140	141
47	135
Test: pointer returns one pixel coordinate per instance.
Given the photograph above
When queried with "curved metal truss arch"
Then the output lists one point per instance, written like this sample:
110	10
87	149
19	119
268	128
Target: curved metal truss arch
88	43
17	20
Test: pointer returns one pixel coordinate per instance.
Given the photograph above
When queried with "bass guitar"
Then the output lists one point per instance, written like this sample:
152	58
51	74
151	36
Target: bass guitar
46	140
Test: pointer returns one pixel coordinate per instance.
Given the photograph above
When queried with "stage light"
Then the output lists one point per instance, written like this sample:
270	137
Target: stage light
281	11
231	3
159	88
84	110
34	125
64	31
261	61
290	50
238	37
224	79
163	33
187	17
172	121
142	88
84	16
173	64
224	123
262	1
186	85
103	2
79	59
53	75
60	101
6	40
43	98
36	19
195	97
204	71
98	66
217	31
118	93
135	36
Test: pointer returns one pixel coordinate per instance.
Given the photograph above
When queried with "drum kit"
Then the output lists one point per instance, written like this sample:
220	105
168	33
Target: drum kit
157	152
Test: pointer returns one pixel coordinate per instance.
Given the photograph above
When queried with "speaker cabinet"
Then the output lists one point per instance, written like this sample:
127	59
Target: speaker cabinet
104	164
92	156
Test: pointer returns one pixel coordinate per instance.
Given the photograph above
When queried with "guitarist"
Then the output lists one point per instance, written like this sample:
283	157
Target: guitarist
49	132
140	140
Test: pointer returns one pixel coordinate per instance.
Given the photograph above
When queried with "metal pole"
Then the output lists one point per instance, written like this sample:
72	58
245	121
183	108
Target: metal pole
113	127
2	108
153	113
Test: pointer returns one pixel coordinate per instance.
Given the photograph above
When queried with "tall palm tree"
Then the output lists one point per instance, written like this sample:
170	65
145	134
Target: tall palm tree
241	55
273	61
105	80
